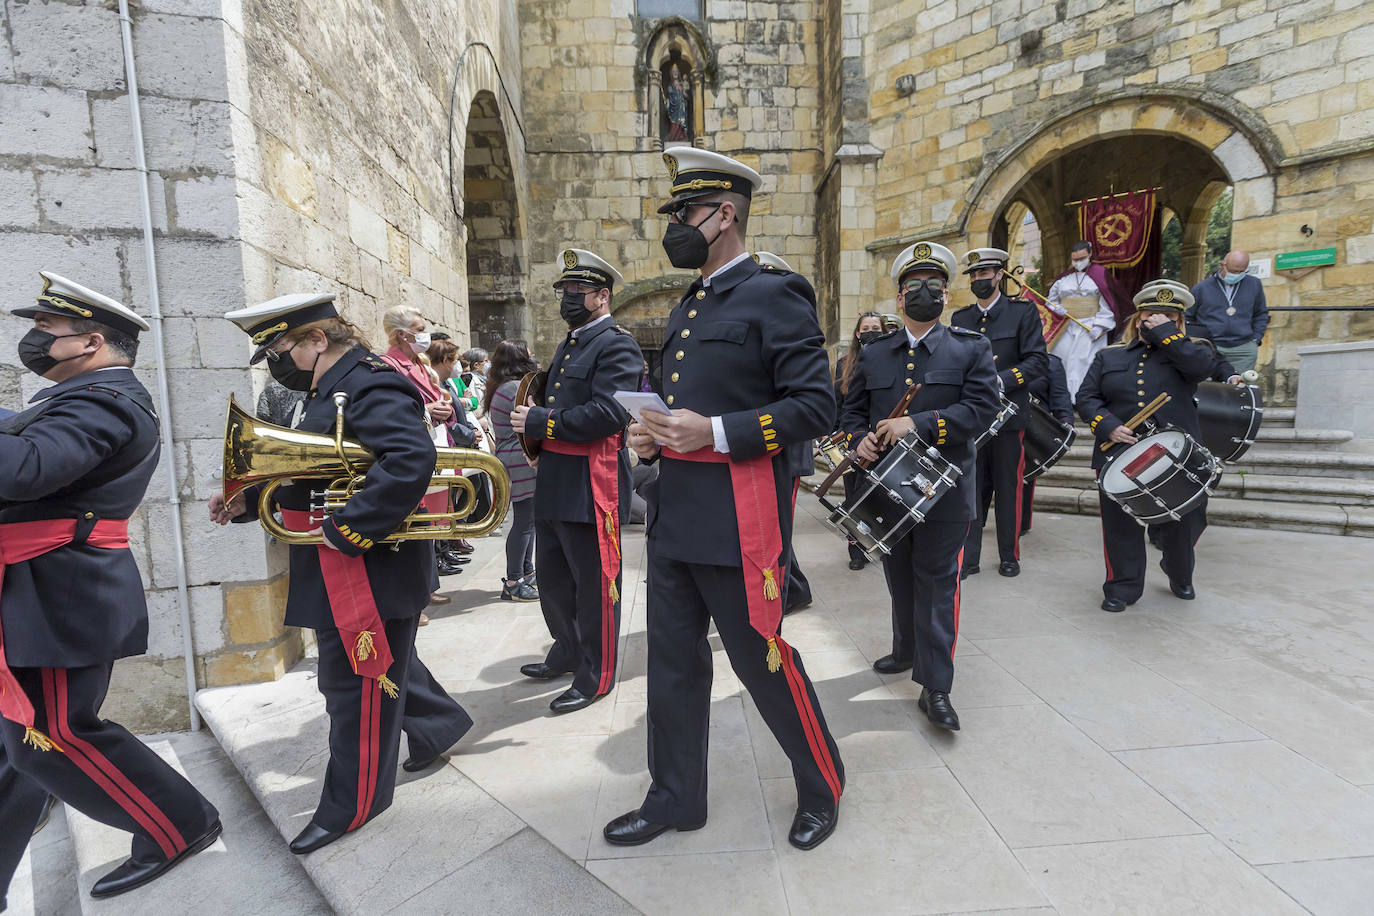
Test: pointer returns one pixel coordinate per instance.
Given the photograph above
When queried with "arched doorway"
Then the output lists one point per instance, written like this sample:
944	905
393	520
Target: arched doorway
497	307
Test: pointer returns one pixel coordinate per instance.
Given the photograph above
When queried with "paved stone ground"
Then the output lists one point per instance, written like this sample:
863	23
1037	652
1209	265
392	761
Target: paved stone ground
1207	757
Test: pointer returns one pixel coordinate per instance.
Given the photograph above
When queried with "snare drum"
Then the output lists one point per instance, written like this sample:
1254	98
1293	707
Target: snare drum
1046	440
1004	414
894	497
1160	477
1230	418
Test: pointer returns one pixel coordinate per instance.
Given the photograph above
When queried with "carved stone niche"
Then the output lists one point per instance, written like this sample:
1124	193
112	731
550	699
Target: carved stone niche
674	71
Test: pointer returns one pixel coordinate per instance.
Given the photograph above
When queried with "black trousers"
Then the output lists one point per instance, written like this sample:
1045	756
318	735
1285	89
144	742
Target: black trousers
1001	462
855	551
1123	546
432	720
520	540
1027	505
585	633
364	728
923	580
102	771
683	599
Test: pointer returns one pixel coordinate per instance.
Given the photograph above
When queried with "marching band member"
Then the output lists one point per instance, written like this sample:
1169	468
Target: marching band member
956	402
1018	350
1154	357
362	599
582	482
76	466
746	376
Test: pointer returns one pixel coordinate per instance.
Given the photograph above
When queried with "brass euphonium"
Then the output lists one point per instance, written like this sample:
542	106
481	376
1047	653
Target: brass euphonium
258	452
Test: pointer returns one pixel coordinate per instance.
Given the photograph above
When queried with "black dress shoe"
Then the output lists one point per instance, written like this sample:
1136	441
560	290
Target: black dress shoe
968	571
448	569
810	828
456	558
571	700
460	547
1009	568
633	830
891	664
1186	592
314	837
133	874
542	672
935	704
411	765
1113	605
44	815
857	563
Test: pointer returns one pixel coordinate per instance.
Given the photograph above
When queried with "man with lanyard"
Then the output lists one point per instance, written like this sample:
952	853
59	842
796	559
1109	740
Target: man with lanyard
957	401
1154	357
1018	352
76	466
582	483
746	377
362	597
1087	296
1229	308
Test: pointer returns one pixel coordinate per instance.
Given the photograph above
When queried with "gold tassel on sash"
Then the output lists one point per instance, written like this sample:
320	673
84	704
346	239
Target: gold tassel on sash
364	649
770	586
613	591
388	687
39	741
610	532
774	656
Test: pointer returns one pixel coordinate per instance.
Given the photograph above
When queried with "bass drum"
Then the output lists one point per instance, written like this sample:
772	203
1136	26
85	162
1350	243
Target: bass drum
1046	440
1160	477
894	497
1230	418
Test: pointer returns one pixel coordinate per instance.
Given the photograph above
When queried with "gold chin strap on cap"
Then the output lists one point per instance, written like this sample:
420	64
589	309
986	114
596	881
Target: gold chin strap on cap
65	304
697	184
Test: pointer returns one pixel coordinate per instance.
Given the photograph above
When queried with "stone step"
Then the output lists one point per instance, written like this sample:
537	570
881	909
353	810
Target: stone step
1357	521
444	846
1346	491
1272	460
1280	416
248	870
44	884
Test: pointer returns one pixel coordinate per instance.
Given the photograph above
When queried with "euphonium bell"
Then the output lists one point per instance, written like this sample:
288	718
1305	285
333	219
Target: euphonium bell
258	452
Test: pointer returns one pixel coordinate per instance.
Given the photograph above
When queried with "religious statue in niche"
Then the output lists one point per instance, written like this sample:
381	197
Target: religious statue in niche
677	103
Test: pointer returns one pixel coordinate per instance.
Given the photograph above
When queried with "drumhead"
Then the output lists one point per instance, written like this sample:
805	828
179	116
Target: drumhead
1144	462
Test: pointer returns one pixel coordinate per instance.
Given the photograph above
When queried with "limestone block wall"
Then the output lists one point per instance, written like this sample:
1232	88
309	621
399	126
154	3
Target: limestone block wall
69	203
596	173
1278	92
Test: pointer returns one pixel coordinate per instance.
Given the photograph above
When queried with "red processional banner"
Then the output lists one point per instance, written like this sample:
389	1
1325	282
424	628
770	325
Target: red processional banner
1118	227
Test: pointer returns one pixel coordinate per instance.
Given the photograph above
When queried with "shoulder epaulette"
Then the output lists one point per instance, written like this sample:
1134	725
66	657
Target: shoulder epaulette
774	270
376	363
967	332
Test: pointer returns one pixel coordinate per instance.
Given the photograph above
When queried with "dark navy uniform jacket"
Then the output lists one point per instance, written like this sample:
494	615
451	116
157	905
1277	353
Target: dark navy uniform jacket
86	451
957	400
385	414
1124	378
749	350
1018	347
588	368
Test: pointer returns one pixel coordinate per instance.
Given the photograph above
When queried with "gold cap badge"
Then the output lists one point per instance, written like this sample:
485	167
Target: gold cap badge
1164	295
569	259
671	162
921	252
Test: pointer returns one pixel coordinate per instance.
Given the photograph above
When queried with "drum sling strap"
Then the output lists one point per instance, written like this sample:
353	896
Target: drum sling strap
760	538
352	605
21	541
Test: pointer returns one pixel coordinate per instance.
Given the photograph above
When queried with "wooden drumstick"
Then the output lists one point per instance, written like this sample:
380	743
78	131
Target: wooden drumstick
1145	414
851	459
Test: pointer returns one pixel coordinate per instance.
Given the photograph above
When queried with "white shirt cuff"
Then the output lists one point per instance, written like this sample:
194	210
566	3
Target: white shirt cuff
718	433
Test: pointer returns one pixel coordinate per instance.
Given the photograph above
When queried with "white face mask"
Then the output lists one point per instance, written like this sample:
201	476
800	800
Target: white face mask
1081	265
421	343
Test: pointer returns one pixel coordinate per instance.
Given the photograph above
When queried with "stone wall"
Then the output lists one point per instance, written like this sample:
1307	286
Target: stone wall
596	174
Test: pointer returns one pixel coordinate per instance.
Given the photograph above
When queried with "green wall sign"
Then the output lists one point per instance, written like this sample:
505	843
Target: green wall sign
1317	257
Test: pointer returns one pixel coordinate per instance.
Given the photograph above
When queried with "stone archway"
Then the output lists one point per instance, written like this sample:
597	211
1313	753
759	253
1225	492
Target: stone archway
1178	144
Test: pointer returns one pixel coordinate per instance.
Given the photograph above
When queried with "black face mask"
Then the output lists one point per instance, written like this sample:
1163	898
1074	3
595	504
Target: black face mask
867	337
34	347
686	245
923	305
573	309
984	288
289	375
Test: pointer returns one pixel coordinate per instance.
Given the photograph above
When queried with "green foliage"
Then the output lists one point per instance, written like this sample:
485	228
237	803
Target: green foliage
1218	240
1171	240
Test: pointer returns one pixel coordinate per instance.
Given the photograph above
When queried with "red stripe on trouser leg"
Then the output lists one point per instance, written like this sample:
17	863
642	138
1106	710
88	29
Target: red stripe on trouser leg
820	751
957	586
1020	485
1106	558
608	639
102	772
367	751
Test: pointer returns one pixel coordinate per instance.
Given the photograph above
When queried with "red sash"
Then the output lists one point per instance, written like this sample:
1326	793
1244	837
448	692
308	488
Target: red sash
351	605
760	538
604	470
20	541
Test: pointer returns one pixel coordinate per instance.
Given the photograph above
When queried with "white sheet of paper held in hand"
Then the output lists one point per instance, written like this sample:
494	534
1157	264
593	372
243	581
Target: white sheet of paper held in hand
637	401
